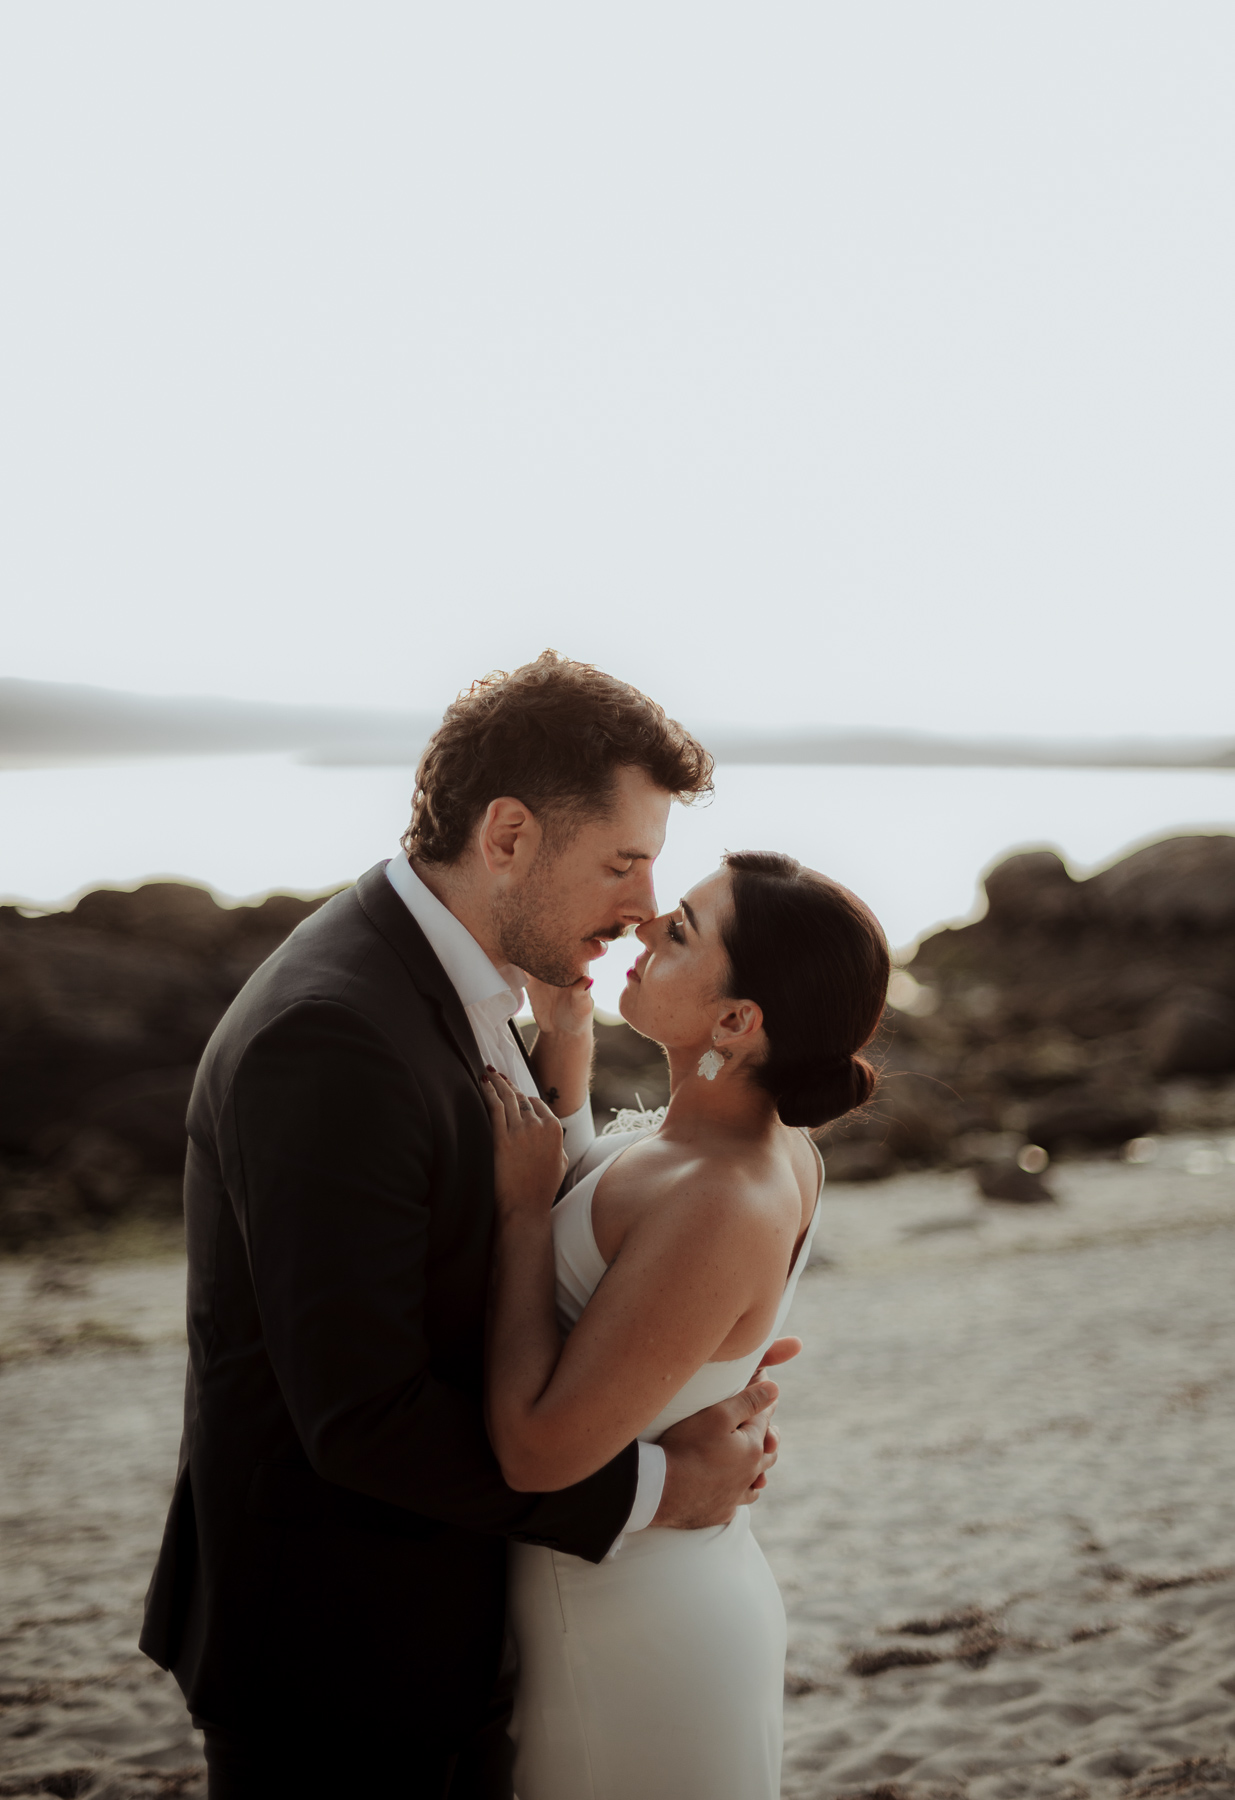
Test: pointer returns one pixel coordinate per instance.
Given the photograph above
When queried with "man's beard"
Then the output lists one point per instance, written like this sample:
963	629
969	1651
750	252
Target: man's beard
533	938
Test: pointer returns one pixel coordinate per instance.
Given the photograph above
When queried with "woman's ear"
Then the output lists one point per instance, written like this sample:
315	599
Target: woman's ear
738	1026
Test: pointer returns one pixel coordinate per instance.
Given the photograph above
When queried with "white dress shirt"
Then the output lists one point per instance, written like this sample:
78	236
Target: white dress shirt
491	998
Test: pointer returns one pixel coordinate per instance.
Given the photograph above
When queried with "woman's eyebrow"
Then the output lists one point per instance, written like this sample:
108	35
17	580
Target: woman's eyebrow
691	920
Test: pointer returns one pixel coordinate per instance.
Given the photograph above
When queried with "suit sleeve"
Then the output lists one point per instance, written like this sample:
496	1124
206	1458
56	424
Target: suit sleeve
328	1149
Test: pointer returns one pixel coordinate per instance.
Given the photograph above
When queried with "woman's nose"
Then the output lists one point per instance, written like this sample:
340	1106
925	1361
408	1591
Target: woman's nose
644	933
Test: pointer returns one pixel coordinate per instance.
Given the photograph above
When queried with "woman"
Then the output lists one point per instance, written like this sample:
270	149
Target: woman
659	1673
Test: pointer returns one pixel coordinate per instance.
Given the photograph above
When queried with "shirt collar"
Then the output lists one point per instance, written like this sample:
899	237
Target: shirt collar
474	978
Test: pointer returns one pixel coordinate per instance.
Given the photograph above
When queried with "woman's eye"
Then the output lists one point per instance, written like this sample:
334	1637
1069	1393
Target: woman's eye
676	932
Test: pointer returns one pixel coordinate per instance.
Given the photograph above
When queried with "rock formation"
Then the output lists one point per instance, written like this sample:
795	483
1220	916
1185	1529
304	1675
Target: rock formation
1074	1014
104	1012
105	1009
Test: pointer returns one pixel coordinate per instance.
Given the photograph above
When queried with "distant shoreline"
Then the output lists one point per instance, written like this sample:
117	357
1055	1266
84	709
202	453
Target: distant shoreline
45	724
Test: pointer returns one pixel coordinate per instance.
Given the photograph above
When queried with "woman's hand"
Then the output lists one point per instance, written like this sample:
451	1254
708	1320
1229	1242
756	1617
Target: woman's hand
562	1057
529	1161
561	1012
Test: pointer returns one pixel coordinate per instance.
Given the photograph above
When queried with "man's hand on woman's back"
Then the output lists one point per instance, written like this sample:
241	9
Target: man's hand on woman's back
718	1459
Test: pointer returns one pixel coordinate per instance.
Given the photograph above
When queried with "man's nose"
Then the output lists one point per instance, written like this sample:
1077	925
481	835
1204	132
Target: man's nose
639	903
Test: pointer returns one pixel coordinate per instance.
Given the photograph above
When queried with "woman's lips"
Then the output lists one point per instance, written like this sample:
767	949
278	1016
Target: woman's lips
632	974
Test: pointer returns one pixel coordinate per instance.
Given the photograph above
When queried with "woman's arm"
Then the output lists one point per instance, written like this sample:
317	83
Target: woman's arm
685	1276
562	1055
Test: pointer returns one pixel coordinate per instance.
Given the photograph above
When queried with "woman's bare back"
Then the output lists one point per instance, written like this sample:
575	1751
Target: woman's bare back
778	1176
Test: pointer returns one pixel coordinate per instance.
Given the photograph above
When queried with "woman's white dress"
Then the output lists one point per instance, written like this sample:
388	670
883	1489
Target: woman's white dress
659	1673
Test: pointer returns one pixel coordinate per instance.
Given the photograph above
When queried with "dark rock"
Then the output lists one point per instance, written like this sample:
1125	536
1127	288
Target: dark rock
36	1205
124	987
176	913
856	1159
1055	1017
1192	1034
630	1071
85	1009
105	1171
1006	1180
911	1122
1183	884
1088	1118
1037	1061
1106	1000
1033	888
146	1112
915	1113
1060	1012
104	1012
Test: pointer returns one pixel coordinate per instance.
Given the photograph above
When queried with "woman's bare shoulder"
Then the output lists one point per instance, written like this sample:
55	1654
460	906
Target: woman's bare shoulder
671	1193
725	1190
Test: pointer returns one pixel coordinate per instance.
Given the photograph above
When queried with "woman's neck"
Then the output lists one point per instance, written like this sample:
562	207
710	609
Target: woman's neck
732	1106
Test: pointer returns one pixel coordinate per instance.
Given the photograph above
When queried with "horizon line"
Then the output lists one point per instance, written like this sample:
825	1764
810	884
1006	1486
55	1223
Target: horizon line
46	724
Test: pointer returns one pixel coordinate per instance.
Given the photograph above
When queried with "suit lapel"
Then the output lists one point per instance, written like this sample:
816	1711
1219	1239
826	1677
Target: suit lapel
388	915
518	1037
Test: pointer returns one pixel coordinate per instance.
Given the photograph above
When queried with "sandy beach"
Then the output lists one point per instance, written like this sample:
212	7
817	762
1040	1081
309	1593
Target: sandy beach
1003	1520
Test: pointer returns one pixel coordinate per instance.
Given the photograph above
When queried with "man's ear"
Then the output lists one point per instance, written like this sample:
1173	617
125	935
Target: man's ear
508	837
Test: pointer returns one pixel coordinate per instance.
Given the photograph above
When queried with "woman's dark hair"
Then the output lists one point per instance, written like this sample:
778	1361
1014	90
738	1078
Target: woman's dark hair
552	734
815	960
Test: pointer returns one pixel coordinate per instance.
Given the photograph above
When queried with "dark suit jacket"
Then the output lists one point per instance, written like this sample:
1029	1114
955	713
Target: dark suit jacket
336	1537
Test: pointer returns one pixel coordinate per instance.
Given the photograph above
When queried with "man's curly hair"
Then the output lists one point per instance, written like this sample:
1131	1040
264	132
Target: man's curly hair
552	734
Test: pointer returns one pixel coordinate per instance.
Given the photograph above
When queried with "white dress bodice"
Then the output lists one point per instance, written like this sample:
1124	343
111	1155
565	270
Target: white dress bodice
578	1266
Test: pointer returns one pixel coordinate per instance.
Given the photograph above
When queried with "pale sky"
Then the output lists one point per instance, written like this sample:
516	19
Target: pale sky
838	363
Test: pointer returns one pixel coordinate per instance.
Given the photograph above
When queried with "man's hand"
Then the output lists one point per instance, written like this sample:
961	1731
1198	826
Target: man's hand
717	1460
780	1350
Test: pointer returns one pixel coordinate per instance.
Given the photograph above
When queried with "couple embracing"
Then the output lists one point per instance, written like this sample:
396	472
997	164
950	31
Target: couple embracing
476	1403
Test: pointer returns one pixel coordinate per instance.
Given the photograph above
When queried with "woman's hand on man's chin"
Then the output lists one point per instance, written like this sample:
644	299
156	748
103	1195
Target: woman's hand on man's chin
561	1012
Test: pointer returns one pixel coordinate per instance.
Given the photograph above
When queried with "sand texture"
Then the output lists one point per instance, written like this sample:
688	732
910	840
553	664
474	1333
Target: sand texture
1004	1518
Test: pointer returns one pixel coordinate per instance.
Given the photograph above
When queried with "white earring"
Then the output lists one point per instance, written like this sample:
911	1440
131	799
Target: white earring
710	1064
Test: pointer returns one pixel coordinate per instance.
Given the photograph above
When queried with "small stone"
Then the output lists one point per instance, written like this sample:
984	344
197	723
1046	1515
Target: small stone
1006	1180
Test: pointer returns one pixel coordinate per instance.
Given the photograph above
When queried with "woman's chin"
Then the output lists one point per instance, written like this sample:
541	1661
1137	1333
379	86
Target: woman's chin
635	1015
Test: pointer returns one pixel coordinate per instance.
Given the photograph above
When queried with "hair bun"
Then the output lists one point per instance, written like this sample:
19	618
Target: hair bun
827	1092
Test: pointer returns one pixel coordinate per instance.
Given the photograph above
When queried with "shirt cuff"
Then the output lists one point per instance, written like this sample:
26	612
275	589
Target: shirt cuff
578	1135
650	1487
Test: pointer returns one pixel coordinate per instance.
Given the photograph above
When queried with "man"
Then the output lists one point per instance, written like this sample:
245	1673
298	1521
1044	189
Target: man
330	1589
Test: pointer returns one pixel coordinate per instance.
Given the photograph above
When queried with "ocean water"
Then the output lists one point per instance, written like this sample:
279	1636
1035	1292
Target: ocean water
912	842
